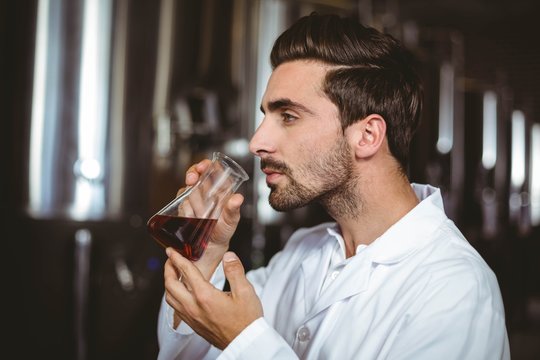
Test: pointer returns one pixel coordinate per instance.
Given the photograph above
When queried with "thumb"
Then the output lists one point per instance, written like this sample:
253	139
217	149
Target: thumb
234	272
229	218
231	213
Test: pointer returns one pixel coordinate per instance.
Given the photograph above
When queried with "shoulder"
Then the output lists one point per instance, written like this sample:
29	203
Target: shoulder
457	272
453	254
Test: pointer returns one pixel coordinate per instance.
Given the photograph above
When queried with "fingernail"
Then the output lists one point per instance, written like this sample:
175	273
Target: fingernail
168	251
191	177
230	256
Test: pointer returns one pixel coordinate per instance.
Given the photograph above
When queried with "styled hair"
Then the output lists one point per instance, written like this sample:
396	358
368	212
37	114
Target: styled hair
371	74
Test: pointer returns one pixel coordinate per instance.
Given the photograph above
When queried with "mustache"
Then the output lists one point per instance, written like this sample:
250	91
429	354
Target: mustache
276	165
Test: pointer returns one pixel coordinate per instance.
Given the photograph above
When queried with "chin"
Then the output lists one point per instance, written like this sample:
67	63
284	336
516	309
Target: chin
285	202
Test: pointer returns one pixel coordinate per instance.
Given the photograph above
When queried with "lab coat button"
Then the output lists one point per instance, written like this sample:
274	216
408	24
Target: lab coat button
334	275
303	334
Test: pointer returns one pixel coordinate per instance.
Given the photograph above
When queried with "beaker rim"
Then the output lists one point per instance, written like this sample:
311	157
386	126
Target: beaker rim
238	170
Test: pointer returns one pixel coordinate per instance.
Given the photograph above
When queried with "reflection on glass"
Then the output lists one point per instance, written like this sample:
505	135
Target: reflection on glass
93	107
535	174
446	109
162	122
43	112
518	149
489	132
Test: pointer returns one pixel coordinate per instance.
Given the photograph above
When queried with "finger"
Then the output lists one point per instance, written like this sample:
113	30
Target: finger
235	274
185	209
228	219
181	190
197	203
175	291
191	275
182	302
173	300
193	173
170	271
231	212
172	278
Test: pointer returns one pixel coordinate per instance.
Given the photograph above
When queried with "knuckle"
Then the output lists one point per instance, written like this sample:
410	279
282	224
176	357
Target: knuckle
204	162
191	311
245	289
170	300
235	266
203	297
169	282
192	168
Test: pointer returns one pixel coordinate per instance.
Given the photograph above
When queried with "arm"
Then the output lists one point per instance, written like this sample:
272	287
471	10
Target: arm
179	341
215	315
173	336
230	321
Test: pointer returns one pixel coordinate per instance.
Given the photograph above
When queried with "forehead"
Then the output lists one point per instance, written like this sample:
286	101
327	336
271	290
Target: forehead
298	80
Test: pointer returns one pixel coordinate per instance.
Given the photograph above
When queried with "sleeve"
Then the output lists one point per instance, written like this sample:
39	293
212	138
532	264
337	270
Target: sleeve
258	341
460	318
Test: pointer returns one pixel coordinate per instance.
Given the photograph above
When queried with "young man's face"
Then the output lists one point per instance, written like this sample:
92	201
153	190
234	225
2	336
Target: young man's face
300	142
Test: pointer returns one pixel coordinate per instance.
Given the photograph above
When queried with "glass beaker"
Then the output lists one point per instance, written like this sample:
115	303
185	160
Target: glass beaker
187	222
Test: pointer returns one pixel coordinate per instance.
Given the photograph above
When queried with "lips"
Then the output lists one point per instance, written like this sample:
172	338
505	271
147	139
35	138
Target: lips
269	171
271	175
273	169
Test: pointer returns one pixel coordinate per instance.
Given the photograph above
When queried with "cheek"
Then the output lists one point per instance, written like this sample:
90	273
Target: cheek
308	158
316	146
325	158
305	151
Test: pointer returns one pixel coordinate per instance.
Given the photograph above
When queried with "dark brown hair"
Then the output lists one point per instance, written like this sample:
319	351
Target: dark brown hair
373	73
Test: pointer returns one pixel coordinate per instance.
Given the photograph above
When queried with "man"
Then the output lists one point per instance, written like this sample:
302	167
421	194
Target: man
392	278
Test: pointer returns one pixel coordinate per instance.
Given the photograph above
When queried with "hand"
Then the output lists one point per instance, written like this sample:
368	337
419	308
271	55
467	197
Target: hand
215	315
218	242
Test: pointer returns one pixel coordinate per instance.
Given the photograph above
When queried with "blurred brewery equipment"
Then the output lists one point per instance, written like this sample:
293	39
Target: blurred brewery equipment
107	103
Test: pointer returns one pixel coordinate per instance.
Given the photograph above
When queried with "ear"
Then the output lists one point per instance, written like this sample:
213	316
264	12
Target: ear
368	135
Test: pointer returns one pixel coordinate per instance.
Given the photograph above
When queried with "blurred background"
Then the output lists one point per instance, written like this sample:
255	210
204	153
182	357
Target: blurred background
105	103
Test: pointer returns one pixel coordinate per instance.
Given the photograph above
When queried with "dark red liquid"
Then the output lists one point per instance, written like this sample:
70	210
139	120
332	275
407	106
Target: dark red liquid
187	235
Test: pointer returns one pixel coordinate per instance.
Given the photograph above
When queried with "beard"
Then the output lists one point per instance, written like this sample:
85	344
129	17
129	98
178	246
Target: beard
326	178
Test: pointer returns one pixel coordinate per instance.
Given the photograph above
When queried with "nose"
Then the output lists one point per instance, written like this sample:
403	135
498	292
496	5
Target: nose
262	143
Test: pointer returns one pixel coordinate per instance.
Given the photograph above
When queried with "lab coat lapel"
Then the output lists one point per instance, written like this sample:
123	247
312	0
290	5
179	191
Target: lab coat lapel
313	269
397	243
394	245
353	280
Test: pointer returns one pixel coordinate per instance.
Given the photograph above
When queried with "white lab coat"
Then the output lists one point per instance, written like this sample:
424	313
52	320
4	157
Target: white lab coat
420	291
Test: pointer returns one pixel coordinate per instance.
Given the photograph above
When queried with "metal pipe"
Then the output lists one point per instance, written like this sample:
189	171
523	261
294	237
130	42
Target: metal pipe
81	285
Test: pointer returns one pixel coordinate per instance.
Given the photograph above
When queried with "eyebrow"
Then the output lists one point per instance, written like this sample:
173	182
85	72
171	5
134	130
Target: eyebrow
286	103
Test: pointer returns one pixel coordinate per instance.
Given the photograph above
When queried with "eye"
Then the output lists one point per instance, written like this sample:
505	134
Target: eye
288	118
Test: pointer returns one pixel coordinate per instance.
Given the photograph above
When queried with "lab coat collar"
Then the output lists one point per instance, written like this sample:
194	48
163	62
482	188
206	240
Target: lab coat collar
354	277
402	239
405	236
413	230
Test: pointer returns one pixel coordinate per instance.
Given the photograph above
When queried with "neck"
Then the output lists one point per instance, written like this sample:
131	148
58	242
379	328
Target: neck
369	206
